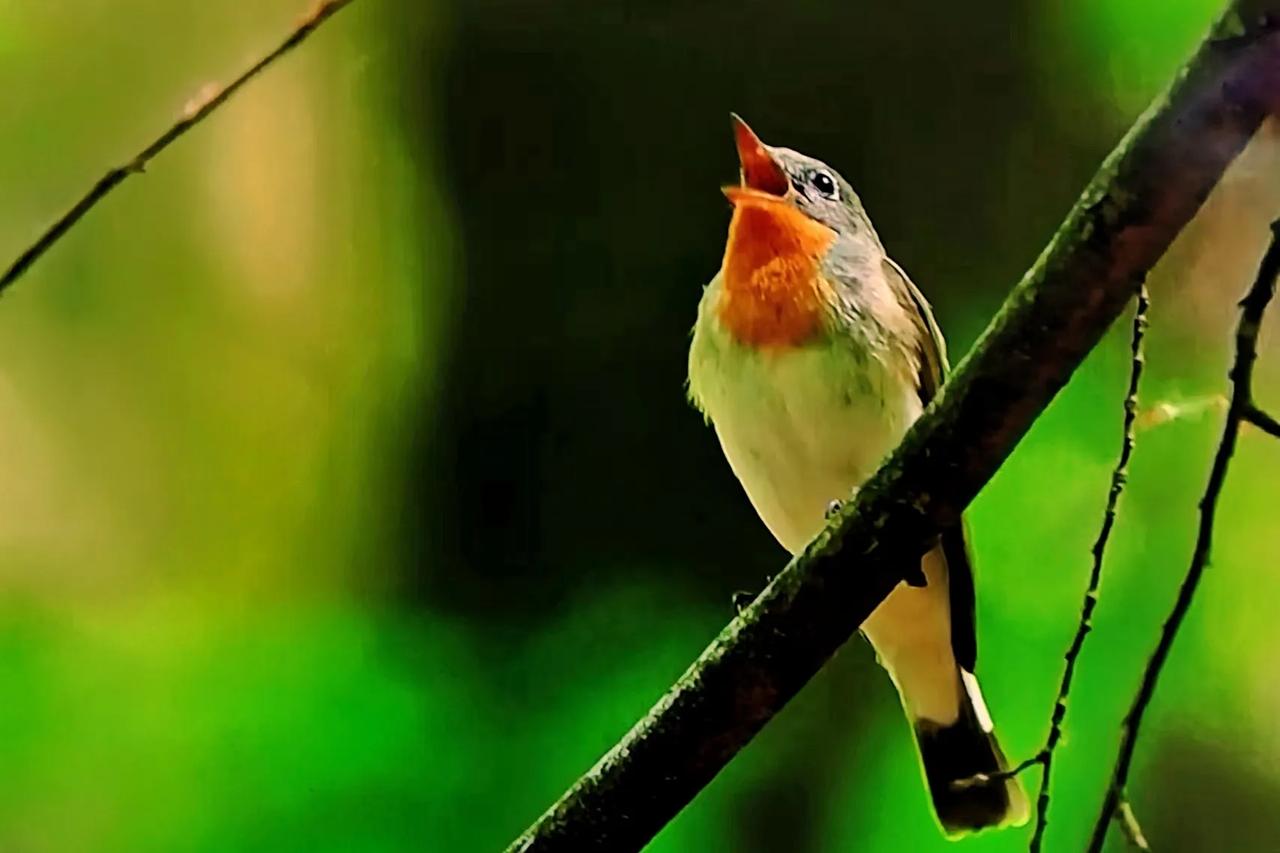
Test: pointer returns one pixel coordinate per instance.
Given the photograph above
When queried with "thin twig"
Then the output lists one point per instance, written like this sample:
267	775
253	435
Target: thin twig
1143	196
196	111
1261	420
1119	476
1241	376
983	779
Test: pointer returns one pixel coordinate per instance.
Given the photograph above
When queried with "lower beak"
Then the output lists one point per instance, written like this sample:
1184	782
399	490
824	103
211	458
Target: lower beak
760	171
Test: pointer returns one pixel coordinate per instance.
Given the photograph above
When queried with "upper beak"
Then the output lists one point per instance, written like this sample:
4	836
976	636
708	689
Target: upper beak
760	171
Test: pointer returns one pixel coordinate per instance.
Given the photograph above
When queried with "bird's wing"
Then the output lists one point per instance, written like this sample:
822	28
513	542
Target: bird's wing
955	548
933	349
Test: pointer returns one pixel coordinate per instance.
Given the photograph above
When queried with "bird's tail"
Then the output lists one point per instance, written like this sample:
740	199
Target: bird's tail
963	750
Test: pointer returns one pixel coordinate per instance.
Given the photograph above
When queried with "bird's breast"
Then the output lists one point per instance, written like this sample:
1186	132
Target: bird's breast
801	426
774	293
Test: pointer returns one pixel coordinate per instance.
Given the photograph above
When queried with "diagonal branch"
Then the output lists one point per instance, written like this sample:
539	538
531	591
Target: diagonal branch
1145	192
196	112
1252	308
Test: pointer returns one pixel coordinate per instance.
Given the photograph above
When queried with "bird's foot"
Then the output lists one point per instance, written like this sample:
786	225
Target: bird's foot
742	598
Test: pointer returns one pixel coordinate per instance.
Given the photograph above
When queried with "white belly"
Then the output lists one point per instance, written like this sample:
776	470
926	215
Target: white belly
802	427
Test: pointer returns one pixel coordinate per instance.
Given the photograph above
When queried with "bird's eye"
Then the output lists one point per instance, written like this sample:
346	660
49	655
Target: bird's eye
824	184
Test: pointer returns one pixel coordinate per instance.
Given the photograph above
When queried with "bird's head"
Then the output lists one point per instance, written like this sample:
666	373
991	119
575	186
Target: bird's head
792	216
770	174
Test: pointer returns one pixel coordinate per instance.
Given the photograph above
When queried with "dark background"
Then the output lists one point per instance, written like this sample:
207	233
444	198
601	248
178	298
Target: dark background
584	144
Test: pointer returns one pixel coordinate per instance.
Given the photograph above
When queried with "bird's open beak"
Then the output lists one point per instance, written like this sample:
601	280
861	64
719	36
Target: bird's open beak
760	171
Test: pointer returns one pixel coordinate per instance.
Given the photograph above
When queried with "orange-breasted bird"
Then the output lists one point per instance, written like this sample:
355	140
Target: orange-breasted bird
812	354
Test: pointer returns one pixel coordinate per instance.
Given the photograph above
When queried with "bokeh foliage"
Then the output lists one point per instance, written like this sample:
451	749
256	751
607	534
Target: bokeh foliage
350	498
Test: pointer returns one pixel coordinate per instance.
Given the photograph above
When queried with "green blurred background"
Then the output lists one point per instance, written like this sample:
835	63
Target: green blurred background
349	499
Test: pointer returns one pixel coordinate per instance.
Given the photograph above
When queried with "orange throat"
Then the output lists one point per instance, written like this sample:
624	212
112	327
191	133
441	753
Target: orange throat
774	293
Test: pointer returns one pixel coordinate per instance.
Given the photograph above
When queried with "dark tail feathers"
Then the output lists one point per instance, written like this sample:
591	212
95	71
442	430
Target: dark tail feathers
959	751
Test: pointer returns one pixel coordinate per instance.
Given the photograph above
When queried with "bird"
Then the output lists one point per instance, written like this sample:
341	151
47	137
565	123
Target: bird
812	354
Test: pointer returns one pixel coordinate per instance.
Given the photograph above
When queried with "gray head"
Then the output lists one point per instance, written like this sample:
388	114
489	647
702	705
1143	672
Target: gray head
812	186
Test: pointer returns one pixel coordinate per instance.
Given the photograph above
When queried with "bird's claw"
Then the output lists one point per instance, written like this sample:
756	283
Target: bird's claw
742	598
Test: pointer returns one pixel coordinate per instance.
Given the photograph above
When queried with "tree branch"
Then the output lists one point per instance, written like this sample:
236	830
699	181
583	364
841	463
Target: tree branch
1252	308
196	111
1119	476
1145	192
1261	420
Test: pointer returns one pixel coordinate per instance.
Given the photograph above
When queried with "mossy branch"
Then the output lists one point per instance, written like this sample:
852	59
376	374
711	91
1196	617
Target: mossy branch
1141	198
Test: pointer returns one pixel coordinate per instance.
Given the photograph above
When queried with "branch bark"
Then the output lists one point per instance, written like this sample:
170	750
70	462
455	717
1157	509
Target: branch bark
1143	195
197	111
1242	410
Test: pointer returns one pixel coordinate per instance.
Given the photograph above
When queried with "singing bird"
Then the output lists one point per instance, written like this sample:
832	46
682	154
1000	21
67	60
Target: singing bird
812	354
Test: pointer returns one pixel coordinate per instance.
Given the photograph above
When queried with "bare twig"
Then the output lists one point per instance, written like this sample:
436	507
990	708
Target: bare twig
1145	192
979	779
206	101
1241	376
1119	476
1261	420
